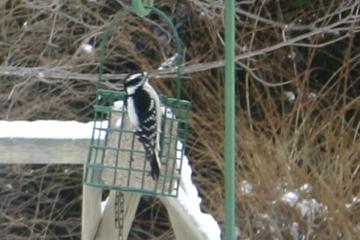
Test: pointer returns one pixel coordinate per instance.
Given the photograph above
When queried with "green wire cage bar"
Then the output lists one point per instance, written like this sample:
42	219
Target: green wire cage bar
116	159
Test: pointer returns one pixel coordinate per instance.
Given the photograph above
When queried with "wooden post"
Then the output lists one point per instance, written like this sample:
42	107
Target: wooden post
181	222
107	228
91	212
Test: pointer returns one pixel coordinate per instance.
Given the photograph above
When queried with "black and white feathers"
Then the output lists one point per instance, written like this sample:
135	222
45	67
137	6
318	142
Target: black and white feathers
143	106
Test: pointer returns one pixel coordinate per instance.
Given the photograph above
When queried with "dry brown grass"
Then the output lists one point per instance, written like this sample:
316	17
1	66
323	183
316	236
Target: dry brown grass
281	144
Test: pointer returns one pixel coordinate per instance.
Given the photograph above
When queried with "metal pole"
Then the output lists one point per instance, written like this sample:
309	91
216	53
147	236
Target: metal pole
229	148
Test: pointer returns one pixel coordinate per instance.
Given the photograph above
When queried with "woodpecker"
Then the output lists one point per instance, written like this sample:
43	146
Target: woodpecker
143	107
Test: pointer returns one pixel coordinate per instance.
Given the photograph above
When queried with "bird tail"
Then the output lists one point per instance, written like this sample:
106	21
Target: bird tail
155	166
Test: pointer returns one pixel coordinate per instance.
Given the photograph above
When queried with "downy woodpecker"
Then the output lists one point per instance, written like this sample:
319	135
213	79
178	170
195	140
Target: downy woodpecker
143	106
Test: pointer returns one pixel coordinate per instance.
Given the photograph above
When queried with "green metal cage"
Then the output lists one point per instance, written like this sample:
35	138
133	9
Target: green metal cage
116	159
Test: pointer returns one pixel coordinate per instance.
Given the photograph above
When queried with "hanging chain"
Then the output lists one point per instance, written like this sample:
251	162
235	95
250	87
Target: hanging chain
119	213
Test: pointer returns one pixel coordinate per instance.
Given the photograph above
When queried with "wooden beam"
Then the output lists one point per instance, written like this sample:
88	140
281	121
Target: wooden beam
43	151
91	212
181	221
107	229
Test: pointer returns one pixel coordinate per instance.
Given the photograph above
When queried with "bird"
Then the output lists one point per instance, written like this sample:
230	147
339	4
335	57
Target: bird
143	106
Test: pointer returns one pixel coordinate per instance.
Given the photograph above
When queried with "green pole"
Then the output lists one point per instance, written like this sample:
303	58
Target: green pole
229	148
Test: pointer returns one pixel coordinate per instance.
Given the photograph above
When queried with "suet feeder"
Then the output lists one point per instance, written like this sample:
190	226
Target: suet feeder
116	159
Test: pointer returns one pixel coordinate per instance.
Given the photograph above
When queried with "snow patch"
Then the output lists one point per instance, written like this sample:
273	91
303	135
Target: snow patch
186	182
290	198
26	26
306	188
189	199
87	48
103	205
290	96
246	188
313	95
308	208
50	129
294	231
168	63
354	201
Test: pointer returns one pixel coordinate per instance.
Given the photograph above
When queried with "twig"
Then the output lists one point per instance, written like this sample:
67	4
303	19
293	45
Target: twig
61	73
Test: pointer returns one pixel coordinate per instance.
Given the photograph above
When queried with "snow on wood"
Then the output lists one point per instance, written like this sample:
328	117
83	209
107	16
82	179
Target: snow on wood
45	141
47	129
188	220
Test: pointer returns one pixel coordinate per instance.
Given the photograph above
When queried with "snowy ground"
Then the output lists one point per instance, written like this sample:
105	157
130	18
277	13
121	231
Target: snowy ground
300	200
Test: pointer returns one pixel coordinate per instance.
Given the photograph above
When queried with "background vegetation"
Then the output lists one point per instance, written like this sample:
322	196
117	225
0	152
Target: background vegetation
298	101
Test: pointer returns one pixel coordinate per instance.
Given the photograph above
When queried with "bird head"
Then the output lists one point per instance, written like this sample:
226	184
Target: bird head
134	81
